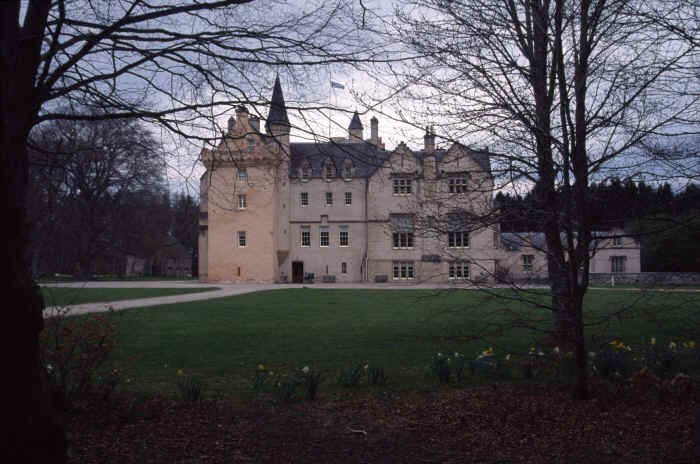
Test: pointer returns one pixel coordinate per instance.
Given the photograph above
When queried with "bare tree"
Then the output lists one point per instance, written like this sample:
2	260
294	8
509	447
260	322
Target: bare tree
169	62
565	91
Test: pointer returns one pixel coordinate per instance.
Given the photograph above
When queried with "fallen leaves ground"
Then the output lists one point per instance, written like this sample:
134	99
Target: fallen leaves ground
626	422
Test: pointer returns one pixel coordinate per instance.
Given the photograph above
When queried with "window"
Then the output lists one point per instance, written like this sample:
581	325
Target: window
305	171
329	170
242	174
402	186
304	199
347	170
343	237
617	241
401	230
496	240
241	239
617	264
458	270
329	198
343	268
403	270
251	145
305	236
348	198
242	202
458	184
459	239
324	237
528	262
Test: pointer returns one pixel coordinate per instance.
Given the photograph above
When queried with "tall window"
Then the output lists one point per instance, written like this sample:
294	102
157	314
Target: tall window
458	239
242	239
401	231
528	262
324	236
343	237
242	202
251	145
496	239
343	268
403	270
304	198
457	184
347	170
306	171
458	270
348	198
242	174
329	198
305	236
402	186
617	264
329	170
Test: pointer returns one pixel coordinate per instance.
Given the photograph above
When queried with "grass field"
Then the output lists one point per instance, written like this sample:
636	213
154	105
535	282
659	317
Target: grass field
223	340
61	296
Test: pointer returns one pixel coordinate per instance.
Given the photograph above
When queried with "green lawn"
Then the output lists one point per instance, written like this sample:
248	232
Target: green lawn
59	296
223	340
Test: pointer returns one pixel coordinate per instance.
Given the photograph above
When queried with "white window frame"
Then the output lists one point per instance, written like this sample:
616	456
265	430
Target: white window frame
304	199
324	236
458	270
348	198
329	198
458	236
329	171
402	186
242	201
618	264
306	172
528	262
305	234
403	270
242	239
402	240
343	230
457	184
242	174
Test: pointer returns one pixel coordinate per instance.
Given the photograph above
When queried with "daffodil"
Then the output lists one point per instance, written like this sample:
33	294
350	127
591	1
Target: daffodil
672	345
653	341
180	372
508	357
556	350
271	373
691	345
261	367
305	369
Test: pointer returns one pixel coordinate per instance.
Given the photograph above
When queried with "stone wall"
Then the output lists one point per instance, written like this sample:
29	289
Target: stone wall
648	279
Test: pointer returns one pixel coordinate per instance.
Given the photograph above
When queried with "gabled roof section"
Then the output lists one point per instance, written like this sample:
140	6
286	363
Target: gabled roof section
365	157
278	108
355	123
482	158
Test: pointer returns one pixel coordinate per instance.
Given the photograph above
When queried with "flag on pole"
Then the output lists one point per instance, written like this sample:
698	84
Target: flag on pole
337	85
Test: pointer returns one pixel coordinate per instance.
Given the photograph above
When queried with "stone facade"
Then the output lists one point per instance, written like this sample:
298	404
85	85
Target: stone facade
350	211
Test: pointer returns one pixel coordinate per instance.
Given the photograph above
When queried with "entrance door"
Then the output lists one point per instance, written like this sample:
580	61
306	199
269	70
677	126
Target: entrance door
298	272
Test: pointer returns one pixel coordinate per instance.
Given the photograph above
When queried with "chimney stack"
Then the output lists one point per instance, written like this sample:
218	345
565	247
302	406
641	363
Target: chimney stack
374	124
242	115
231	123
254	122
429	140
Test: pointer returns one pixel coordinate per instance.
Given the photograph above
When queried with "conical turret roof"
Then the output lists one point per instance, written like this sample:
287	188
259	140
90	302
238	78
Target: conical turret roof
278	109
355	123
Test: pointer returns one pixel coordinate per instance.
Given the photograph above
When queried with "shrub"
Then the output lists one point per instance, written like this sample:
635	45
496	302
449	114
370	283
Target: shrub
376	376
440	367
311	382
351	376
190	388
72	351
285	389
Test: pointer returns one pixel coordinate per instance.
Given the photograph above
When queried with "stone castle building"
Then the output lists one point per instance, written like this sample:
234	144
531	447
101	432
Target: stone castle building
349	210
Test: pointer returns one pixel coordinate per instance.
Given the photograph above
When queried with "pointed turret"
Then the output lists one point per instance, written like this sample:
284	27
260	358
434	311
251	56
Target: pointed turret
355	128
278	109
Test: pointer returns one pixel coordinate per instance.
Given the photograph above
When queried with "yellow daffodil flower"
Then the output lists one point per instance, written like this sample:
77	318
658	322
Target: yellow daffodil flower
180	372
261	367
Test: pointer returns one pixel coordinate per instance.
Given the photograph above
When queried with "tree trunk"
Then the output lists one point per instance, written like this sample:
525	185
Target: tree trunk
35	432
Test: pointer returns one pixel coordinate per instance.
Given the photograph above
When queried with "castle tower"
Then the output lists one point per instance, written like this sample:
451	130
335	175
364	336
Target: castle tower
355	128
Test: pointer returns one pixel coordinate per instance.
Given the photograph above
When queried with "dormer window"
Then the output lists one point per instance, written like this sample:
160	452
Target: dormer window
251	145
329	170
306	171
347	169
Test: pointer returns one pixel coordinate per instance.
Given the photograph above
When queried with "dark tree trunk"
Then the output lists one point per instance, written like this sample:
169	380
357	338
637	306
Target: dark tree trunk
35	429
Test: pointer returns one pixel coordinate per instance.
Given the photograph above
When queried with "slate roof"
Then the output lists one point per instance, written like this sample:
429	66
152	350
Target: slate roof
481	157
278	108
365	157
515	240
355	123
